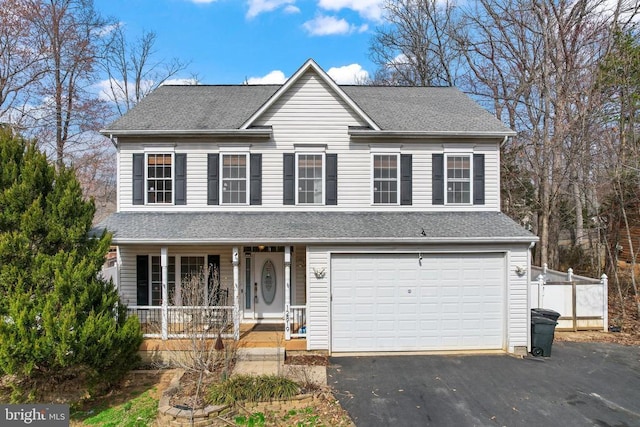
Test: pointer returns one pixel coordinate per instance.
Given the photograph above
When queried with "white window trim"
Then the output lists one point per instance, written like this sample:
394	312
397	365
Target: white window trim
324	177
146	176
446	177
382	153
150	275
247	177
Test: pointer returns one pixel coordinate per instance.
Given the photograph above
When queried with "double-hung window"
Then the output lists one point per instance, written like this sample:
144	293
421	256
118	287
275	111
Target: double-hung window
385	178
156	280
160	178
458	179
234	178
310	181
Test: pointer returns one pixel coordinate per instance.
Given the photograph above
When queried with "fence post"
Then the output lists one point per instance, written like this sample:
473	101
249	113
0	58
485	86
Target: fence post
574	299
605	301
544	269
540	291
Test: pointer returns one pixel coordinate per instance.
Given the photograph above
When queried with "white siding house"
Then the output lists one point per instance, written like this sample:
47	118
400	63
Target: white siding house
364	218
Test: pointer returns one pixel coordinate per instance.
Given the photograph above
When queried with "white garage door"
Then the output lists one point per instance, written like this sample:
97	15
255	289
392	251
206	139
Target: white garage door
397	302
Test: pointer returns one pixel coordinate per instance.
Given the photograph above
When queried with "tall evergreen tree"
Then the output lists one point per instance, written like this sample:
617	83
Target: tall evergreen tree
57	316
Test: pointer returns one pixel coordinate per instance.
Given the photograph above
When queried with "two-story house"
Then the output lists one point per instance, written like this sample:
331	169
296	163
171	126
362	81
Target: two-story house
366	218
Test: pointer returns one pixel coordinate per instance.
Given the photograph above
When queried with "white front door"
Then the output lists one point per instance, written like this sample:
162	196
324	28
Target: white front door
268	279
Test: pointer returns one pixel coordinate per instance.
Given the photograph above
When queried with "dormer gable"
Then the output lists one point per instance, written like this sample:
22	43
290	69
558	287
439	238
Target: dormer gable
310	67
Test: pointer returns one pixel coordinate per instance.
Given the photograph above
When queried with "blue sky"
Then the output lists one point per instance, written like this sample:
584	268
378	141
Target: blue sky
263	41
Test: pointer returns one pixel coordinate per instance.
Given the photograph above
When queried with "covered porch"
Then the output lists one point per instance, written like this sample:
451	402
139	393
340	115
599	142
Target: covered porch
253	285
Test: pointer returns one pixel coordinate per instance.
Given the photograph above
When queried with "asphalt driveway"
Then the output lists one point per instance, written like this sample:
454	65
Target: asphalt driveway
581	384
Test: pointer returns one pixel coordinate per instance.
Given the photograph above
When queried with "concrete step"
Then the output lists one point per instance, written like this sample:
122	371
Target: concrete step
260	354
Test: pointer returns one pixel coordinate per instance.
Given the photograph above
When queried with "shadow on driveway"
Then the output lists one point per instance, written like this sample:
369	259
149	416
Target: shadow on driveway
581	384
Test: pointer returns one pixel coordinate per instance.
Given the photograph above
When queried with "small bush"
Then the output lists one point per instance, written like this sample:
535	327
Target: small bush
253	389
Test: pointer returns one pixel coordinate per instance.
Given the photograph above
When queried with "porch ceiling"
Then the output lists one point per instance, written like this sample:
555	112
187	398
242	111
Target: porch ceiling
312	227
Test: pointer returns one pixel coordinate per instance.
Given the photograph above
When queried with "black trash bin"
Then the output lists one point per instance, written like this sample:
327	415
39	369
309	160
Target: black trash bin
542	330
545	312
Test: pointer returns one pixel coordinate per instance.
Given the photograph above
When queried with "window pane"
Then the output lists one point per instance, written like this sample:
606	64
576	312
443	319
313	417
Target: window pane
459	179
234	178
385	179
159	181
310	178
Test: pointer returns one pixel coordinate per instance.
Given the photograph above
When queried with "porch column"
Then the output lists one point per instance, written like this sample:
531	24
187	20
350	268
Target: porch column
164	262
236	305
287	293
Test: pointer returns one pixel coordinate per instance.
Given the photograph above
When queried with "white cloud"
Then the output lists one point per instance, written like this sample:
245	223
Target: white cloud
108	29
348	74
256	7
291	9
274	77
368	9
182	82
327	25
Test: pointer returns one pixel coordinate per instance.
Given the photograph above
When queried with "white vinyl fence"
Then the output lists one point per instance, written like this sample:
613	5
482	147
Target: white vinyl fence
581	301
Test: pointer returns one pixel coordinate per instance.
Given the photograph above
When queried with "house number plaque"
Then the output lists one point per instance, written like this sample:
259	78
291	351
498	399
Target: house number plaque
268	282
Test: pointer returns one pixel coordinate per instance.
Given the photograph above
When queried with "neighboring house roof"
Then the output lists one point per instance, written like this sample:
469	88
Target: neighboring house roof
312	227
201	109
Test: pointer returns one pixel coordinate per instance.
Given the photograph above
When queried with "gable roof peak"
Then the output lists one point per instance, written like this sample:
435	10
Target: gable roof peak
310	64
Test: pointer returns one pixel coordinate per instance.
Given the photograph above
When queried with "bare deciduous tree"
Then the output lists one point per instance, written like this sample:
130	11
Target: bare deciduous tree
132	70
71	32
416	46
22	58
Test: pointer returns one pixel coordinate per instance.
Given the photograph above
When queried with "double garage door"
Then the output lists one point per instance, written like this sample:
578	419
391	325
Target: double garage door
414	302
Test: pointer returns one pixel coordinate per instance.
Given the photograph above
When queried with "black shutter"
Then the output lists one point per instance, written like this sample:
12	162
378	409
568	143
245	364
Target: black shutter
478	179
331	183
437	179
138	179
406	174
142	279
255	182
289	179
213	161
181	179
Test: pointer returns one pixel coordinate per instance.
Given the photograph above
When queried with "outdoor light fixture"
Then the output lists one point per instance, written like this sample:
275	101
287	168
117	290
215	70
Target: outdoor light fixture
319	272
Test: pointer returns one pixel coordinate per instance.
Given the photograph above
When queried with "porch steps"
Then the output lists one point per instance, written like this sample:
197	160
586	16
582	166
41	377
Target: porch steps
260	354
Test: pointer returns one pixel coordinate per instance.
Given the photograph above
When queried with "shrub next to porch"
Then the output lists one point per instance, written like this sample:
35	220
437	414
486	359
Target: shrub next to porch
58	319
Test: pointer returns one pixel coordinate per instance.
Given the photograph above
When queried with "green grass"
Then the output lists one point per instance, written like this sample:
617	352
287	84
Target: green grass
137	412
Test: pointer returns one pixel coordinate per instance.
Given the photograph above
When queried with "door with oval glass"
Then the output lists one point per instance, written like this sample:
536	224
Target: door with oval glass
268	280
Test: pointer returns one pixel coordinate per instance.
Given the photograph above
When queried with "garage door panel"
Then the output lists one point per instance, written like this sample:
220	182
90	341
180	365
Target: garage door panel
384	302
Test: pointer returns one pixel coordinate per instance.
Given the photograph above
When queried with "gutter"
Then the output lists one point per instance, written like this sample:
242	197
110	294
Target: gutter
355	240
229	133
387	134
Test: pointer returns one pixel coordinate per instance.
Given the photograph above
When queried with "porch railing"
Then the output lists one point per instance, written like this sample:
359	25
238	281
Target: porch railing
298	321
184	321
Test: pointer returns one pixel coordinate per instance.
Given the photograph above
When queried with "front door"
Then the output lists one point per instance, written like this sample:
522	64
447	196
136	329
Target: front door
268	285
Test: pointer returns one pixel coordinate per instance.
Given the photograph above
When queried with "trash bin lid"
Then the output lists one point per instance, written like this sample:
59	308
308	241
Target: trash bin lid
545	311
539	320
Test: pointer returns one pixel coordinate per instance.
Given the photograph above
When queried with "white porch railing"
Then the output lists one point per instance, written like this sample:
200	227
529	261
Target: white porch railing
184	321
581	301
298	321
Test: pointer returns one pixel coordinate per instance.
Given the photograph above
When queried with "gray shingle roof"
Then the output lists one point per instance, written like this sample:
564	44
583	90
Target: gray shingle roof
195	108
312	227
409	109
